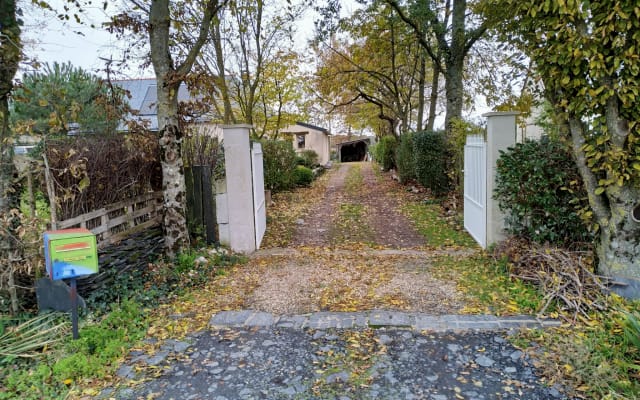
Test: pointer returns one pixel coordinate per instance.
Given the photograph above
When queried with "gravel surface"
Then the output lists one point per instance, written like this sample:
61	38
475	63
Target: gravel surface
289	363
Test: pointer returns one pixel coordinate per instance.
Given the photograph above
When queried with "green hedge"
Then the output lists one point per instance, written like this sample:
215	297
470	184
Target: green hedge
540	190
279	165
431	159
405	160
385	150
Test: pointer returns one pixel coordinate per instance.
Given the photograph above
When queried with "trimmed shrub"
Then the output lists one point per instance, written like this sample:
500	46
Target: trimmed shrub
385	152
303	176
431	156
405	160
279	163
308	158
539	189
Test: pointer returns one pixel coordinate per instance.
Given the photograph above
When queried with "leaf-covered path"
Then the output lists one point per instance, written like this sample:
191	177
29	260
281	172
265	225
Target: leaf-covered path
357	207
354	296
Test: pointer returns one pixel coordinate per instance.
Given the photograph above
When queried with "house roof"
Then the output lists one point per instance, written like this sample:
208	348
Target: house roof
143	98
317	128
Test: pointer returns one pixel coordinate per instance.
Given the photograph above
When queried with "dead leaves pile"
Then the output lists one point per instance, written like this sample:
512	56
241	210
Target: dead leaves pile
354	360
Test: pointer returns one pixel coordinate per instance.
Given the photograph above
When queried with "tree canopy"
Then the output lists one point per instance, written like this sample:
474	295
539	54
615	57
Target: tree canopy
586	55
50	100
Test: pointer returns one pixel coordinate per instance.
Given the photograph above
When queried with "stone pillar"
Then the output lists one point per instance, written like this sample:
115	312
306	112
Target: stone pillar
501	134
237	225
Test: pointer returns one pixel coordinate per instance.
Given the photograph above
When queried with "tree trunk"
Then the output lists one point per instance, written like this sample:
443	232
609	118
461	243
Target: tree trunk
433	98
421	83
454	61
168	80
228	117
619	247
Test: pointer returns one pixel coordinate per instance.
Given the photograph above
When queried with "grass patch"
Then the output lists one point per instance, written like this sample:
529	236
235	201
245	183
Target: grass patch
350	225
487	287
599	357
353	181
436	230
94	355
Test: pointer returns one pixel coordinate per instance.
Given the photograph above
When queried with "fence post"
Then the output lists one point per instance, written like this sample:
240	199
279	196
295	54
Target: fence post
501	134
239	185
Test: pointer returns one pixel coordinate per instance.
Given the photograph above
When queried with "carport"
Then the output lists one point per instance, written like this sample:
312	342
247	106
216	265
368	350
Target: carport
355	150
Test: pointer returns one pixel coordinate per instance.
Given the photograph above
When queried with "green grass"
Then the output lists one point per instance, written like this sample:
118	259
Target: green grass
487	286
436	230
93	355
353	181
350	225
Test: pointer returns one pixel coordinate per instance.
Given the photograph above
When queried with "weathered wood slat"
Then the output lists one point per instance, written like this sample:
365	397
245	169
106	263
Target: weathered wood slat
146	205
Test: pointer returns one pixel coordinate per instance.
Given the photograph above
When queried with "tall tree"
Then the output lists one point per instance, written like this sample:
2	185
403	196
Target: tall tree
60	94
10	54
169	75
586	54
455	30
377	61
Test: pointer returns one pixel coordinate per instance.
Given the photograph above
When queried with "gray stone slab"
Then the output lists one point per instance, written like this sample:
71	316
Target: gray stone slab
486	325
292	321
429	323
521	322
260	318
230	318
390	318
323	320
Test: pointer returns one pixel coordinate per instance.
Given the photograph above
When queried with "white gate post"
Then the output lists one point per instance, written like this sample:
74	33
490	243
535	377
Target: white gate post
241	233
501	134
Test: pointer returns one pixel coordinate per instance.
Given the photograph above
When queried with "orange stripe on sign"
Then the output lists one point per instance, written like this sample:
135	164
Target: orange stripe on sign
73	246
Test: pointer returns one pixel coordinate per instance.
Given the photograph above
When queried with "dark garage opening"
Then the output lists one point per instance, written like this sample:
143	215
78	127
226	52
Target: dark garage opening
354	151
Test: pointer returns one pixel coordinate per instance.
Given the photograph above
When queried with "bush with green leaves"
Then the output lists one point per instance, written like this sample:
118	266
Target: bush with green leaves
279	165
308	158
431	160
539	189
405	159
385	152
303	176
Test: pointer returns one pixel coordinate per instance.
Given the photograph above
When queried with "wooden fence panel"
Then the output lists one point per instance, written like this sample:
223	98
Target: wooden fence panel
116	221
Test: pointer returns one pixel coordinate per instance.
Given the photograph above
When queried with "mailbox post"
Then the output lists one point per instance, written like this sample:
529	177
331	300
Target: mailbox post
71	253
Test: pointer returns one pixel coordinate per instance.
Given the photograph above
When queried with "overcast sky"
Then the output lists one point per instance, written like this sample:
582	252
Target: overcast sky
48	39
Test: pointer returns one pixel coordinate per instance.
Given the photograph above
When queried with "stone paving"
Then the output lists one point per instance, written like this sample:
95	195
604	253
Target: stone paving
377	319
256	355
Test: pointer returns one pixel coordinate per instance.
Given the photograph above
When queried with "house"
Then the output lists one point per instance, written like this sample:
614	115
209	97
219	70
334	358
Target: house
309	137
143	99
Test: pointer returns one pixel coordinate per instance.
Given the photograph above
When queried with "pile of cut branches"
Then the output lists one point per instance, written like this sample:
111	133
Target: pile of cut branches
565	277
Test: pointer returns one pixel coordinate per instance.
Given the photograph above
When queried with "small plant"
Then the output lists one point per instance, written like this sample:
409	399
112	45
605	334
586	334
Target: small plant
303	176
307	158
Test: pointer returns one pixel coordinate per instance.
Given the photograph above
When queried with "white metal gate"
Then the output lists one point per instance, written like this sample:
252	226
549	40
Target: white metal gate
475	188
259	204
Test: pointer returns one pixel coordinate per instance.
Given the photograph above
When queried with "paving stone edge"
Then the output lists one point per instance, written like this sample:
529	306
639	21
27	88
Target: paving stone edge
378	319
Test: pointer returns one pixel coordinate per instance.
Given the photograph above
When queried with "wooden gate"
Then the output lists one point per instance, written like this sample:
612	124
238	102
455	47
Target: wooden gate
475	188
259	204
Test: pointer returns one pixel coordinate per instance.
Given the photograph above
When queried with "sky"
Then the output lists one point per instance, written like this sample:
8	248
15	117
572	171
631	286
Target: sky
51	40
